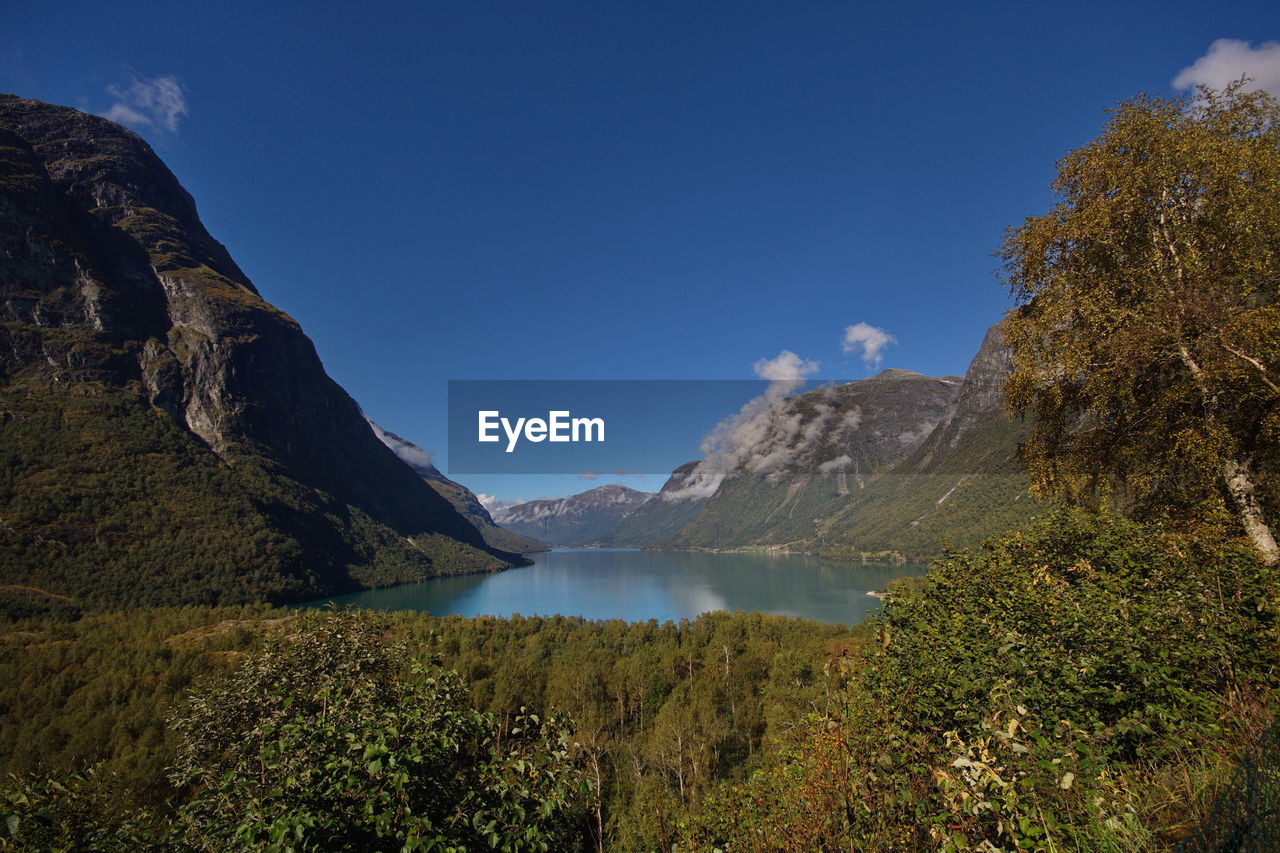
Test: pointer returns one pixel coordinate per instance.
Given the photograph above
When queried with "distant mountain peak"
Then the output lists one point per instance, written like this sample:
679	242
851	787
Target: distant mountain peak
582	519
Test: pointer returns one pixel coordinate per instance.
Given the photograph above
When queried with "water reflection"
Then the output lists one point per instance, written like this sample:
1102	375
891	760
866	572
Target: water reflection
639	585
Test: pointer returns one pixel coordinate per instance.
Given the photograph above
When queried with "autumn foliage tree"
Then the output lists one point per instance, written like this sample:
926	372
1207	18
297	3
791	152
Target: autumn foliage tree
1146	338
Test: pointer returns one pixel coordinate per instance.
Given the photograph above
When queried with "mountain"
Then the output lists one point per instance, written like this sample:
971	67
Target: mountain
962	485
662	517
584	519
169	436
459	496
798	460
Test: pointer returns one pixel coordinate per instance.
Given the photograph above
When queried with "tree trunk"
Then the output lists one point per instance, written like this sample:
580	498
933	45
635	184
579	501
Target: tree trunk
1240	487
1236	476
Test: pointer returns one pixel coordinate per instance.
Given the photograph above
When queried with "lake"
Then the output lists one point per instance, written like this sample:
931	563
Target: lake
603	583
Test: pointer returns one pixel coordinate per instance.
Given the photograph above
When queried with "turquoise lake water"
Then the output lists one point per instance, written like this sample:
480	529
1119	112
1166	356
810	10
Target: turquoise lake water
598	583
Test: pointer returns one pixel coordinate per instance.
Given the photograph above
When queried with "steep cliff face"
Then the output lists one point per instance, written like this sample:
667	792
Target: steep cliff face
583	519
122	318
980	396
962	485
805	458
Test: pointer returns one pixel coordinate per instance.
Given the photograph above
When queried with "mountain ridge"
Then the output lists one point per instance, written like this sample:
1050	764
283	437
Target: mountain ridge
586	518
125	326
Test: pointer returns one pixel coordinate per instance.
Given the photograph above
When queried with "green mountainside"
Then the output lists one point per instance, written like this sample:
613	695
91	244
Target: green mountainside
168	436
899	463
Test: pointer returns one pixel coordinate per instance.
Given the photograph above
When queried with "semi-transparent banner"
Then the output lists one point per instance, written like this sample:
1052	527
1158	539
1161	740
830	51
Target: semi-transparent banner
628	426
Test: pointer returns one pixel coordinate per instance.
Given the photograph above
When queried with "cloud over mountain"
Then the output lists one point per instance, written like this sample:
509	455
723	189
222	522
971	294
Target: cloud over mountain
869	339
158	102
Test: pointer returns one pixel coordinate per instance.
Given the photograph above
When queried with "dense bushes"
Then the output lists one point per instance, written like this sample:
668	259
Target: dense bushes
1036	694
332	739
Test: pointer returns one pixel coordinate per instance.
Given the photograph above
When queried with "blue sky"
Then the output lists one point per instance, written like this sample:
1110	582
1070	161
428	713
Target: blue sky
638	190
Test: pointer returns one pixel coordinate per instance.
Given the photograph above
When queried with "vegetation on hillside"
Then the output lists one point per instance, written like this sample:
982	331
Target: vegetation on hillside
939	497
1083	684
94	476
660	713
166	436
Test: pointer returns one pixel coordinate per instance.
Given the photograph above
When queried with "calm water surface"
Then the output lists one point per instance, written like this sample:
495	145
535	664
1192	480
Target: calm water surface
598	583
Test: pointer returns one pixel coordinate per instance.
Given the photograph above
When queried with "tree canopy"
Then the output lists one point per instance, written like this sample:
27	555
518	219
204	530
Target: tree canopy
1146	337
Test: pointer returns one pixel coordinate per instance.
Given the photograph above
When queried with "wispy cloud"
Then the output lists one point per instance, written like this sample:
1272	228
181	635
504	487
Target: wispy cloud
156	102
837	464
869	339
785	366
761	437
1230	59
417	458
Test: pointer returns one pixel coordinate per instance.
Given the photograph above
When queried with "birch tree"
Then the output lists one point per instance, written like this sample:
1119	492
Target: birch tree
1146	336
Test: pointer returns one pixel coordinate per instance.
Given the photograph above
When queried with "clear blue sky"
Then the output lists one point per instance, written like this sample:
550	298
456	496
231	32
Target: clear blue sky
648	190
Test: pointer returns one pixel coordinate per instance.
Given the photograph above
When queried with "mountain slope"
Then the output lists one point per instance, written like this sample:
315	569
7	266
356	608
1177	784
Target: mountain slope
809	456
962	485
459	496
583	519
663	516
168	435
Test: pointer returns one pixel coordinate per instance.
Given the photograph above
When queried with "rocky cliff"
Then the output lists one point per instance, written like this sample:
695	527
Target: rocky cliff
169	435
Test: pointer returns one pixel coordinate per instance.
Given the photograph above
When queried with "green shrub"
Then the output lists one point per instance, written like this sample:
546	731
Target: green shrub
332	740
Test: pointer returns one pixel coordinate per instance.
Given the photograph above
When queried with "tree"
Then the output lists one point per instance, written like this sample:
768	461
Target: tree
1146	336
332	739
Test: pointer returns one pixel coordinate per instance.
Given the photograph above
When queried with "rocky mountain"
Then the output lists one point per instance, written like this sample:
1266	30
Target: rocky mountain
168	434
459	496
795	461
962	485
664	516
899	463
583	519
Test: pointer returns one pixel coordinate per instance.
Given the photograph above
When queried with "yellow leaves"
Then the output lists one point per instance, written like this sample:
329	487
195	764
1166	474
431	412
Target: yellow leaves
1161	238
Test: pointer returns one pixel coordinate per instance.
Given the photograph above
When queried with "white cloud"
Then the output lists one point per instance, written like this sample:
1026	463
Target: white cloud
762	437
589	475
417	458
785	366
869	339
837	464
1230	59
156	102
